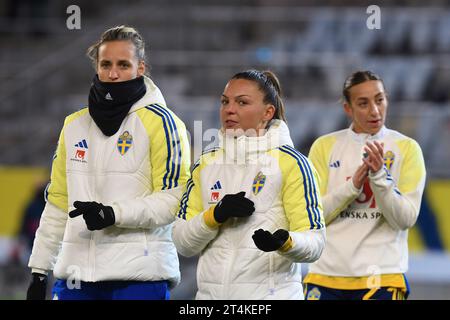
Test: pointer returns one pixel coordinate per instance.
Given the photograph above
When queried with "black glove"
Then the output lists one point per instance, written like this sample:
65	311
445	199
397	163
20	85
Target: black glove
96	215
267	241
38	287
233	205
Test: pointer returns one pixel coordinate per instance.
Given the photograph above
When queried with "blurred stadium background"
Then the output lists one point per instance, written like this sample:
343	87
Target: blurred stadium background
194	47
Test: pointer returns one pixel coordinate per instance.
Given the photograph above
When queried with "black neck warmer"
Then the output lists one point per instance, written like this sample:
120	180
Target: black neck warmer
109	102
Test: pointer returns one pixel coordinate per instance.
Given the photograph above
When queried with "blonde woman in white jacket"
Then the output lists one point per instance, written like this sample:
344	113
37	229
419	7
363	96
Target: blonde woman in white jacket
252	208
117	178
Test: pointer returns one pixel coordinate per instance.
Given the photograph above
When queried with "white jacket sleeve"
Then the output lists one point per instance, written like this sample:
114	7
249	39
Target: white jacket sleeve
307	246
335	199
400	210
52	225
400	200
155	210
192	236
169	156
339	199
48	239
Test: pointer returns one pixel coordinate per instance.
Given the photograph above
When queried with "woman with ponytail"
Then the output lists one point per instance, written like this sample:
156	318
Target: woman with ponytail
117	177
252	208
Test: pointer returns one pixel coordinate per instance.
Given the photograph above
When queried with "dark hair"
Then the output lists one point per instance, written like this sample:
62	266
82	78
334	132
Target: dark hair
115	34
357	78
269	84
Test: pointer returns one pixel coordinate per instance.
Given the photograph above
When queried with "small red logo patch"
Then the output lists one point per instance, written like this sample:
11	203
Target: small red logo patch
215	196
80	154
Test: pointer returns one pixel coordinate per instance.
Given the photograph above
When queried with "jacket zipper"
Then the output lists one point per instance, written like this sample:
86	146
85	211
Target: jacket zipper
98	168
234	247
91	264
271	280
230	265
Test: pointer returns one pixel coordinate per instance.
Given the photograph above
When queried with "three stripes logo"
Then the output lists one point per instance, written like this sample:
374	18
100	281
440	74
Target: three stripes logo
335	164
82	144
215	192
80	152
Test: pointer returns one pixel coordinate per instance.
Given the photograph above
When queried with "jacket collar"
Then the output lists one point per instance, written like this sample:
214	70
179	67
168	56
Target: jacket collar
363	137
245	148
152	95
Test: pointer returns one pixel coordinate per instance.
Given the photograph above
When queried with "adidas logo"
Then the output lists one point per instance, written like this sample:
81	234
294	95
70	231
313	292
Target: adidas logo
335	164
215	193
108	96
82	144
216	186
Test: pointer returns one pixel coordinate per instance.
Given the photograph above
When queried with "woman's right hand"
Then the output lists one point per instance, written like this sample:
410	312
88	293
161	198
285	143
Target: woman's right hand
38	287
233	205
360	176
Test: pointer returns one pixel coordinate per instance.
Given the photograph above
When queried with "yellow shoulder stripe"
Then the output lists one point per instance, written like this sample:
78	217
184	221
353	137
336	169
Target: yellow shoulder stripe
56	192
320	156
75	115
413	169
192	200
169	150
300	193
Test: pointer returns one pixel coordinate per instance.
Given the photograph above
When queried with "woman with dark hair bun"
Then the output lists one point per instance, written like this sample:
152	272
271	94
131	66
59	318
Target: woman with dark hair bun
252	208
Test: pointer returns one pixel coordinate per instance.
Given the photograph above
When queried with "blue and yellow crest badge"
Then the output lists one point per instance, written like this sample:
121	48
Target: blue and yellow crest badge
314	294
389	159
258	183
124	142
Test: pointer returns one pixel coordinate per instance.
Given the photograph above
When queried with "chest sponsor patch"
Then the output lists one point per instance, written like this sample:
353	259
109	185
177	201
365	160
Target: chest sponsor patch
81	149
215	192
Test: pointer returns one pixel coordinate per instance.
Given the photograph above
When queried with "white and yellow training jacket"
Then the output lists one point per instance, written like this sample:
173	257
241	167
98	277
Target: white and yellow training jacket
140	172
282	184
367	229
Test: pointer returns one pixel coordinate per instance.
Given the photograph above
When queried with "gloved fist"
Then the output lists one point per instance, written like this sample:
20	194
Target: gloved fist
267	241
233	205
38	287
96	215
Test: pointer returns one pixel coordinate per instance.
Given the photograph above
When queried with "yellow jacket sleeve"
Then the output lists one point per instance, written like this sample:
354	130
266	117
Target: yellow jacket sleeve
300	191
341	196
56	192
169	164
303	207
169	149
192	202
400	201
195	226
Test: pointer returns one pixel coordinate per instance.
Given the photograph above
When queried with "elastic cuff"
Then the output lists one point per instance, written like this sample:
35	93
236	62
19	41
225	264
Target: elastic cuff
208	217
41	271
287	245
377	175
116	213
355	190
